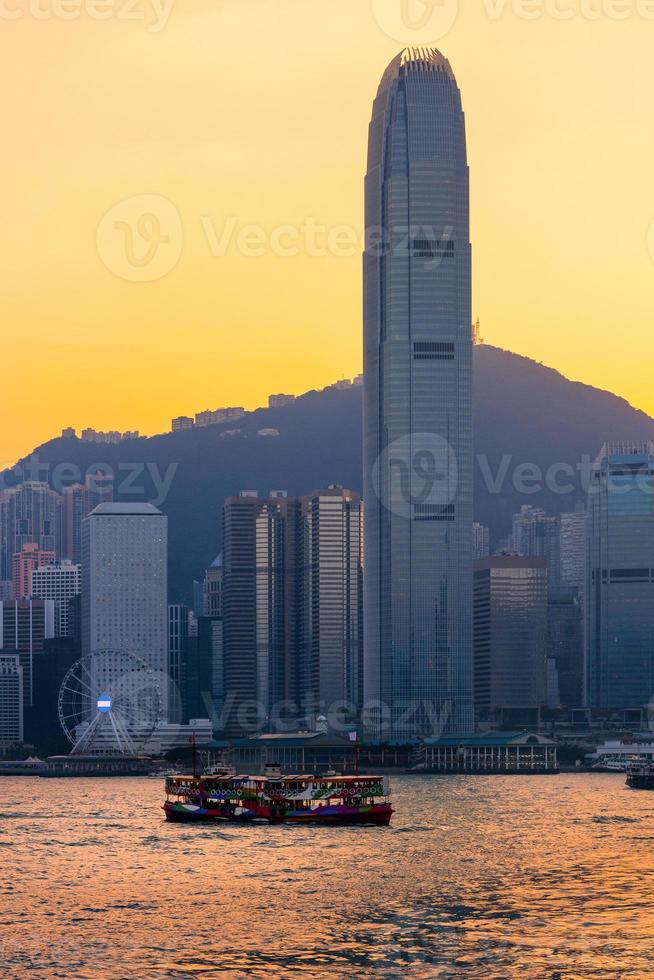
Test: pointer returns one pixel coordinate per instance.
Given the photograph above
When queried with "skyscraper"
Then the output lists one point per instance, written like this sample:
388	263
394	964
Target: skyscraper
619	604
573	549
259	610
565	643
510	634
480	541
537	535
332	647
11	699
29	514
418	405
25	625
124	584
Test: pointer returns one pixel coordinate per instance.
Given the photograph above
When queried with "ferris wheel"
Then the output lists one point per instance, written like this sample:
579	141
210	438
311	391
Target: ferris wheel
110	703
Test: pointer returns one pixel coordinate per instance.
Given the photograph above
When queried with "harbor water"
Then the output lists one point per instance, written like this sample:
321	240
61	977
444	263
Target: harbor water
478	877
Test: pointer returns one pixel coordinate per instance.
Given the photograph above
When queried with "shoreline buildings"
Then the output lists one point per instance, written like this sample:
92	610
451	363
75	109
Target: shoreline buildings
620	578
418	405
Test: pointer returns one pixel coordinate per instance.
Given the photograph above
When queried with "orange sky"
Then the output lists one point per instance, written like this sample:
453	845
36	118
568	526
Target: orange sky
210	116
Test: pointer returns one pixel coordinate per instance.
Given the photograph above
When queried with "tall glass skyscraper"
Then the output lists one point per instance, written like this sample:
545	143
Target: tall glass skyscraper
620	578
418	405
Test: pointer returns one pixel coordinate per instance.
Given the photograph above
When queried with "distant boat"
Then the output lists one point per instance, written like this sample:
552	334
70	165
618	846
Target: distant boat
640	776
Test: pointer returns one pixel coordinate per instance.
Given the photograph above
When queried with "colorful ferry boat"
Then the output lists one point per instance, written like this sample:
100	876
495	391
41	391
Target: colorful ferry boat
273	798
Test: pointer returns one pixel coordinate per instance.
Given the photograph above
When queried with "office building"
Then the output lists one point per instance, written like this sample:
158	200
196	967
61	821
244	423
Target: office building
480	541
573	549
11	699
565	644
619	600
25	625
259	607
331	676
212	589
510	634
124	585
418	405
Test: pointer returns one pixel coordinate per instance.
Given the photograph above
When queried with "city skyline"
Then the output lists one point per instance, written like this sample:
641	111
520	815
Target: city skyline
528	137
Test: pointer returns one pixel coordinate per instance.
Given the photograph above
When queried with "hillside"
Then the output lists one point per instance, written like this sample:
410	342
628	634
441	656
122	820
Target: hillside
524	414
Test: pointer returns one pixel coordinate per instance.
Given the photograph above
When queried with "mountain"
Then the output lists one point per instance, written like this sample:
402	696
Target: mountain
526	415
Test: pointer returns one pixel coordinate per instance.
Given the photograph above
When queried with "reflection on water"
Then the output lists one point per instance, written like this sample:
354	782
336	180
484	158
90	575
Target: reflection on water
495	877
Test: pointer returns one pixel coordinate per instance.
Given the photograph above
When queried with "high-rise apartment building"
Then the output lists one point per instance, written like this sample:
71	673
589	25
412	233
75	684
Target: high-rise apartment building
510	634
619	600
29	514
418	404
23	567
537	535
60	582
77	502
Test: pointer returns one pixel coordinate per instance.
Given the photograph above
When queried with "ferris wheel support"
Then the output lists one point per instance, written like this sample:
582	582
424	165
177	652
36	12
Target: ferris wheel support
110	703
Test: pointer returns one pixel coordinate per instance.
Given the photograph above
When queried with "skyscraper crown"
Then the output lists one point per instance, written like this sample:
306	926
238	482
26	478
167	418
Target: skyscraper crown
413	60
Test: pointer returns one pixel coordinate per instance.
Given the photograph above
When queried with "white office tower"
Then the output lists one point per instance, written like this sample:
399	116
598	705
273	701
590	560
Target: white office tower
125	593
61	583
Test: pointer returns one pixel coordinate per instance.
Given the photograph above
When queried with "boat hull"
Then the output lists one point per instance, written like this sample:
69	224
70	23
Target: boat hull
640	782
378	815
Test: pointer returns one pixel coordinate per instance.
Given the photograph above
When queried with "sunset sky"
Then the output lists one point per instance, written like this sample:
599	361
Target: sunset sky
245	113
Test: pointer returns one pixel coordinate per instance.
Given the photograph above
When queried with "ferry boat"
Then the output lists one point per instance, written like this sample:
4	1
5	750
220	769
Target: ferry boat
302	799
641	776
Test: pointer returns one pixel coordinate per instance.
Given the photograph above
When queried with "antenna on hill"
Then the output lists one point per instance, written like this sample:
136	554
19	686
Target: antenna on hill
476	333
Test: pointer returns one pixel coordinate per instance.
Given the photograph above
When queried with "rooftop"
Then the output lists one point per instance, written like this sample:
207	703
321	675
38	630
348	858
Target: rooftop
126	510
413	60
